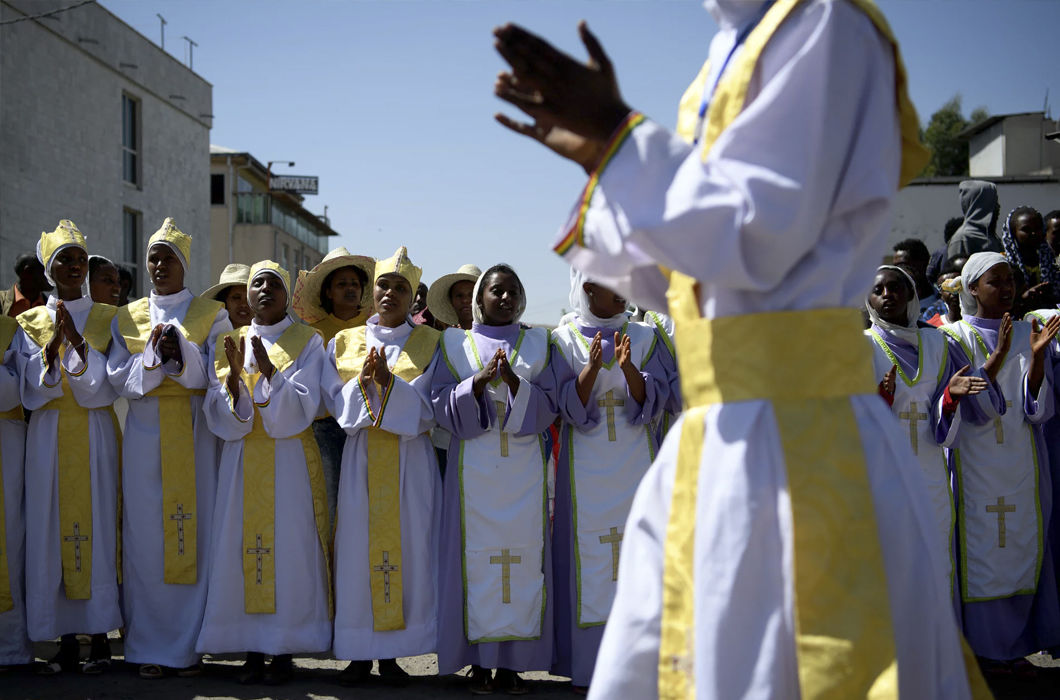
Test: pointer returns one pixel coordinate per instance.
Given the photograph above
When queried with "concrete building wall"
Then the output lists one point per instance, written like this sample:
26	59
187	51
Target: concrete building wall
61	87
1023	145
986	152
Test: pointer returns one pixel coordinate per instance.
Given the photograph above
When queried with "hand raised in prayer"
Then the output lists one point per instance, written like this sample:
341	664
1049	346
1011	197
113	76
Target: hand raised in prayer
1004	340
380	370
1035	296
236	355
888	384
622	351
505	372
634	379
261	357
962	385
486	375
51	350
587	377
70	334
576	106
1041	337
167	346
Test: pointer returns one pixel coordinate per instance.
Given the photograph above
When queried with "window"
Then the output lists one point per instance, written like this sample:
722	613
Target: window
286	257
217	189
131	254
130	139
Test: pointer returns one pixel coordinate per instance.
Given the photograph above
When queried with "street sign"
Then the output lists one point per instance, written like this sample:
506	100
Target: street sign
302	184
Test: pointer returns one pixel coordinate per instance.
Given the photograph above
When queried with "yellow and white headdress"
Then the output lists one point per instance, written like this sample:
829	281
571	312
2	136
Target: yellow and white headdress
400	264
173	237
66	234
270	267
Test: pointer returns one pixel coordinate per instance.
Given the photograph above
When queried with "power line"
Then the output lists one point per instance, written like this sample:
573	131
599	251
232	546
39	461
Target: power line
47	14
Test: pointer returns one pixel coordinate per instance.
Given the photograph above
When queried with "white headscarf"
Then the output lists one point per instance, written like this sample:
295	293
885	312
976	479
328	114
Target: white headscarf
908	331
476	307
977	264
277	275
579	301
176	251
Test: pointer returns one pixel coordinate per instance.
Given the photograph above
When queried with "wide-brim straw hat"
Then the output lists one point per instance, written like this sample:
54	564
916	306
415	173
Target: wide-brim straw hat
307	289
233	274
438	293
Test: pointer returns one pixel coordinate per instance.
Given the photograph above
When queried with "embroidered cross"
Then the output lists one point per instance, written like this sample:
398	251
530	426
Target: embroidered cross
913	417
1001	509
77	538
614	539
609	402
180	516
999	430
506	560
502	408
260	552
386	568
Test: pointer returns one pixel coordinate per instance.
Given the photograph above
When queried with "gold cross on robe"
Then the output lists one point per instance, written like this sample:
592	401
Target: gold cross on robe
1001	509
913	417
260	552
502	408
506	560
609	402
615	540
180	516
77	538
999	430
386	568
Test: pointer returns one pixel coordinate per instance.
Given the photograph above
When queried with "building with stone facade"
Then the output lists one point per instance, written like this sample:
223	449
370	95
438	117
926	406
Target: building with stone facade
98	125
251	222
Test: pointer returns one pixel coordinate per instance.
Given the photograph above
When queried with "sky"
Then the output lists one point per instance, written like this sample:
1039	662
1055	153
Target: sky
391	103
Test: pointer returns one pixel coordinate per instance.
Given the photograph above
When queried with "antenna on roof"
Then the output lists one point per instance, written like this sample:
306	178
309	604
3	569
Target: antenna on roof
191	52
162	26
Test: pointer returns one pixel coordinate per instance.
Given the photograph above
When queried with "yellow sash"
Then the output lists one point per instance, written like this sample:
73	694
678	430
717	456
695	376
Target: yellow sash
384	470
73	450
259	479
330	325
844	635
176	436
7	332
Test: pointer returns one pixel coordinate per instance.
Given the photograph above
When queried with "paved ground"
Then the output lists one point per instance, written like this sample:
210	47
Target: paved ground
316	678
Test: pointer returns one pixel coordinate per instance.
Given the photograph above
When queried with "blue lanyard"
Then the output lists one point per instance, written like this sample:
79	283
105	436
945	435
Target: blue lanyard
704	103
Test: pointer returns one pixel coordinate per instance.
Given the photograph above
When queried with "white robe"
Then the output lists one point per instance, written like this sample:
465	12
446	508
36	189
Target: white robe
49	613
14	642
287	405
789	212
162	619
409	415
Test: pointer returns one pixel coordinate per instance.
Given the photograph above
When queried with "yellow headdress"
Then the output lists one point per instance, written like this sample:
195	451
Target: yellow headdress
173	237
65	234
264	266
400	264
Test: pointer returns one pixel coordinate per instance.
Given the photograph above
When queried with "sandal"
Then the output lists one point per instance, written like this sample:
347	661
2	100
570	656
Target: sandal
67	659
190	671
151	672
94	667
510	682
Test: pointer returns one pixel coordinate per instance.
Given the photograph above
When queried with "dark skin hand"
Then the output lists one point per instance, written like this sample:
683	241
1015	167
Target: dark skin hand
166	346
634	379
498	366
375	369
887	384
65	329
576	106
1040	339
261	356
587	377
236	355
997	358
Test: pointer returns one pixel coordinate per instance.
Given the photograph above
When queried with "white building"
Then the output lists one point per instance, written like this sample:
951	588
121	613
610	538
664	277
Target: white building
101	126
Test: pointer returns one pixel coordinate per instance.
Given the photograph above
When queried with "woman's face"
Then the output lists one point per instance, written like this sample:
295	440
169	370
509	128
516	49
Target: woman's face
104	285
238	307
69	267
604	303
1028	230
163	265
501	297
344	290
393	296
994	291
461	294
890	297
267	298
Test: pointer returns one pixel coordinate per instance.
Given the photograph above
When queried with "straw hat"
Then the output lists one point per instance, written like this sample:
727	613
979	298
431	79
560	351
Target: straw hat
233	274
438	294
307	289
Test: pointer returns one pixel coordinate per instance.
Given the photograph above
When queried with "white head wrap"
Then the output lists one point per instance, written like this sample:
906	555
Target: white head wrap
476	306
579	301
977	264
912	309
176	251
271	268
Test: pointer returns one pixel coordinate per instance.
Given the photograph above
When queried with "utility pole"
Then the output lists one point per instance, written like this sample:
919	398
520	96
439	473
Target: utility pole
162	26
191	52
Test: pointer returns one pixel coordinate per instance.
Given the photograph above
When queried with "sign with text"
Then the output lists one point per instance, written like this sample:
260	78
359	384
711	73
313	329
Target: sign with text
302	184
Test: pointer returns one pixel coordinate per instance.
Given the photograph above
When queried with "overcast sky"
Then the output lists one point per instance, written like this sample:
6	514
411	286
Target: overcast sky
391	104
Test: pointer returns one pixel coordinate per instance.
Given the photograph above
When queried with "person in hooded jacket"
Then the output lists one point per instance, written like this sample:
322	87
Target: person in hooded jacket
977	234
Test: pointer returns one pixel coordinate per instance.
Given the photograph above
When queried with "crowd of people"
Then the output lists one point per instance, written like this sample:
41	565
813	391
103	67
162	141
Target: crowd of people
351	462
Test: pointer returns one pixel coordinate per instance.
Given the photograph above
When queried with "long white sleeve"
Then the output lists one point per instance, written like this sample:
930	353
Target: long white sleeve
288	403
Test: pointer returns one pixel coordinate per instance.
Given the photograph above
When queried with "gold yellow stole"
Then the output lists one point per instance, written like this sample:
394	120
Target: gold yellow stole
330	325
8	326
384	470
844	636
73	449
176	439
259	477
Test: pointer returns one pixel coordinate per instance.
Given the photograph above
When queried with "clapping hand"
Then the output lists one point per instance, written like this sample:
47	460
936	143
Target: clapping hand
236	357
261	357
961	384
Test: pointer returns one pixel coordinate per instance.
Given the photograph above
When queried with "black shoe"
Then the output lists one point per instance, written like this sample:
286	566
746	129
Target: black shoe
510	682
281	670
253	670
355	673
481	681
392	674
